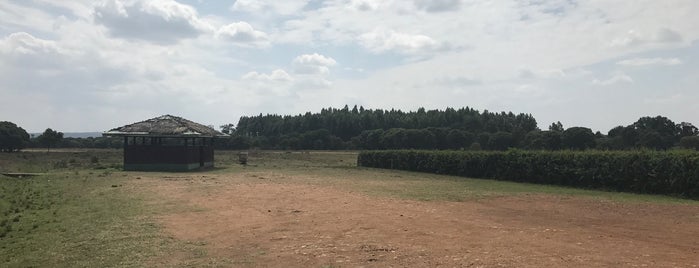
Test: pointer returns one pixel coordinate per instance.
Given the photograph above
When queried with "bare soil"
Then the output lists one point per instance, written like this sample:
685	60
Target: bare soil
266	223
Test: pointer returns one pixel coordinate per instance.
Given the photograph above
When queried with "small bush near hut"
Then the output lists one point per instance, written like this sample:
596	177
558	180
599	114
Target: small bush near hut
670	173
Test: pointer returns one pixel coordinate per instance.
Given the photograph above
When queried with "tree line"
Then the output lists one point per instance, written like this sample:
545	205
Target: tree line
14	138
359	128
464	128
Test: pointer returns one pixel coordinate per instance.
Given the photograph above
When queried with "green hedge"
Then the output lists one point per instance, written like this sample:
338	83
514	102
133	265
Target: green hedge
653	172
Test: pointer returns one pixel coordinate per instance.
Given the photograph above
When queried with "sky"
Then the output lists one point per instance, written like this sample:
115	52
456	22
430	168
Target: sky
85	65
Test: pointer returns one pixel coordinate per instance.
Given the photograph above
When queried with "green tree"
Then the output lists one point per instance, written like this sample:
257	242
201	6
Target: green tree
690	142
542	140
687	129
12	137
557	127
656	132
651	140
50	138
500	141
578	138
228	128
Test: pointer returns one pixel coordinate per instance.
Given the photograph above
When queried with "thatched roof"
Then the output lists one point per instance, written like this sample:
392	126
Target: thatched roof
166	125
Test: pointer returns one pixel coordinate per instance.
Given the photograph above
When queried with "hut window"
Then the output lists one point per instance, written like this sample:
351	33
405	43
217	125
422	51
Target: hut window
172	141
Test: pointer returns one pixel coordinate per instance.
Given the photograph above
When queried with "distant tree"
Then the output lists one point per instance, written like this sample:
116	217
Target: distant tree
500	141
475	146
228	128
457	139
50	138
557	127
624	137
578	138
12	137
482	139
608	143
616	132
542	140
660	124
651	140
687	129
667	132
690	142
599	135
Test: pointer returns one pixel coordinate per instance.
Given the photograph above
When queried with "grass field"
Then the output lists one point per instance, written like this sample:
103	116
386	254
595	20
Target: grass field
85	212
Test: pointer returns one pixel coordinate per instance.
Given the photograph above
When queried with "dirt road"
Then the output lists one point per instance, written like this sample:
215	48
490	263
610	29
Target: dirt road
282	224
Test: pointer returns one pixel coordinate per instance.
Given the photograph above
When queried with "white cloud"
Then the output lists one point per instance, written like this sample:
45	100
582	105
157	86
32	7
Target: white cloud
545	74
364	5
438	5
248	5
157	21
381	40
313	64
638	62
23	43
242	33
276	75
634	38
257	7
615	79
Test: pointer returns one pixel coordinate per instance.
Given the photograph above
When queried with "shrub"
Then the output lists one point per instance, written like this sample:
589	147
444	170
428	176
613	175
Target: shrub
671	173
60	164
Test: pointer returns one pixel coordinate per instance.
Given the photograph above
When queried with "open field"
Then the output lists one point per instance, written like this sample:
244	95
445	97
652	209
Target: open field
318	209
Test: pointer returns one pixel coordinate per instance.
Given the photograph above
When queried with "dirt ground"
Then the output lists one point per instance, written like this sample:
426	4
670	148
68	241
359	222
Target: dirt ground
278	224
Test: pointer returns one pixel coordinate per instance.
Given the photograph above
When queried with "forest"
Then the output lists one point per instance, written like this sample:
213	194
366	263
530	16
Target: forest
357	128
455	129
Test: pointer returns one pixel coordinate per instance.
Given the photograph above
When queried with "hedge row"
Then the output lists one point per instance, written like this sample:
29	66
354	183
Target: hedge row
653	172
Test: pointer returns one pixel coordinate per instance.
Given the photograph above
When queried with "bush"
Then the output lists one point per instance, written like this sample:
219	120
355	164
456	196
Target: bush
690	142
671	173
60	164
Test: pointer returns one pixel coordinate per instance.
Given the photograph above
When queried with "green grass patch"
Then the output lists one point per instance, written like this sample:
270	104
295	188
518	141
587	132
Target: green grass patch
68	220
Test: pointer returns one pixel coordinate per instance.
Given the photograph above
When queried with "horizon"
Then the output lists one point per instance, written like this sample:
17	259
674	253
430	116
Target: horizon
89	66
541	127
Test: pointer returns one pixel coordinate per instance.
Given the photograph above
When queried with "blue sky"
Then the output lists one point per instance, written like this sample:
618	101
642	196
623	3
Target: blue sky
94	65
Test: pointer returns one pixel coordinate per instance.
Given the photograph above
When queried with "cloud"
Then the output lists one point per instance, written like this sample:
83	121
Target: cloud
313	64
257	7
456	81
32	65
635	38
665	35
23	51
156	21
525	73
638	62
616	79
364	5
22	43
242	33
276	75
380	40
438	5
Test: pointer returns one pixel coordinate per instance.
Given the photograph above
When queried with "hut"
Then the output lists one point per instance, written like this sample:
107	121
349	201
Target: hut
166	143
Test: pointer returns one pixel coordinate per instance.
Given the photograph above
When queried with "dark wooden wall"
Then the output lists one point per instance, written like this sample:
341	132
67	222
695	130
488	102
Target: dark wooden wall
167	154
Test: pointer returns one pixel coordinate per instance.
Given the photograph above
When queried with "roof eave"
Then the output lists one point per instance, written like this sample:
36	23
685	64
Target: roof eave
146	134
